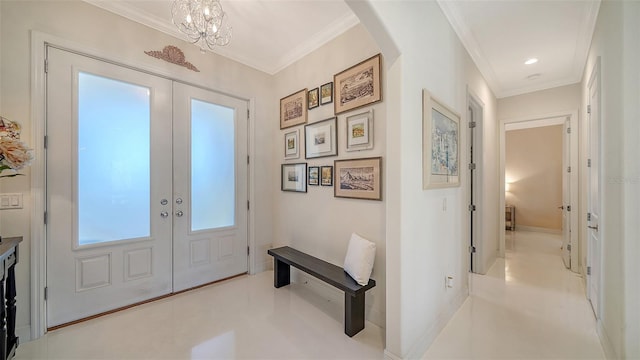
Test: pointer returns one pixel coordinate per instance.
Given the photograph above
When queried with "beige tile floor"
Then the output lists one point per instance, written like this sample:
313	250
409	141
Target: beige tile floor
530	308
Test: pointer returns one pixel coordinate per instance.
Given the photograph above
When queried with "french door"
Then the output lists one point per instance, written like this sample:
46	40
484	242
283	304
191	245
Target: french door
144	181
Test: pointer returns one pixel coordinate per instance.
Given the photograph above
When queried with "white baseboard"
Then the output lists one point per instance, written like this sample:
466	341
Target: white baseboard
421	346
538	229
607	346
23	333
388	355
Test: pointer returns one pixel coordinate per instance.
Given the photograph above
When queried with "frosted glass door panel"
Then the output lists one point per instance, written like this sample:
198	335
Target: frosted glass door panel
213	193
113	160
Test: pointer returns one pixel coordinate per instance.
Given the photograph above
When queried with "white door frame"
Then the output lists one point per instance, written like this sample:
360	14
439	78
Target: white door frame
38	254
575	209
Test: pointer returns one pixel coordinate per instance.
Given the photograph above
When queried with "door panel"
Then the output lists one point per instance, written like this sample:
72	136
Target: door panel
210	186
593	194
566	195
108	167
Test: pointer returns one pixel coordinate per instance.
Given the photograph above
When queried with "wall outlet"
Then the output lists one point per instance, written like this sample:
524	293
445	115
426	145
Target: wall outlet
10	201
449	281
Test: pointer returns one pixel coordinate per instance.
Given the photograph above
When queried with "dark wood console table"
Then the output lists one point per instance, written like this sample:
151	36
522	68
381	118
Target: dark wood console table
8	261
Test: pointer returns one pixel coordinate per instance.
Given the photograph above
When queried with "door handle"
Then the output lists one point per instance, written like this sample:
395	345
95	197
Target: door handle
593	227
179	213
561	207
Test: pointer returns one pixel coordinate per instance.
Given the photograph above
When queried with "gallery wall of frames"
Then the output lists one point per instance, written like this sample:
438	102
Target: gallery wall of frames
351	95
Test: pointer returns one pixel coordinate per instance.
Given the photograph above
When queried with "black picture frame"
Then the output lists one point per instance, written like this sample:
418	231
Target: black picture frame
313	98
313	175
326	175
326	93
294	177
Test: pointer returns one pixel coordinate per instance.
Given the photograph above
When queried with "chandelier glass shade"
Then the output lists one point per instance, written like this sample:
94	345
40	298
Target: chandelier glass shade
203	21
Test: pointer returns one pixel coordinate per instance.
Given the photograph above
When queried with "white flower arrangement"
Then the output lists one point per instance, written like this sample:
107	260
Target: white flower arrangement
14	154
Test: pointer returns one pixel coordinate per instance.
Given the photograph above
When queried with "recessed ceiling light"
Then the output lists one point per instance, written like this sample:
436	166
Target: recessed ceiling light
531	61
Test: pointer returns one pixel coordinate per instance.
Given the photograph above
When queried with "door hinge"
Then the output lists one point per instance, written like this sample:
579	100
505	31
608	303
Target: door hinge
569	169
247	251
472	124
568	130
46	141
248	207
588	109
588	162
46	293
472	207
472	249
568	207
46	66
45	218
472	166
247	159
588	270
248	117
568	247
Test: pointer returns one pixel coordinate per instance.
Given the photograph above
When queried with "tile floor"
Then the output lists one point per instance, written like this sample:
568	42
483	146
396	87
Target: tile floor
531	308
528	306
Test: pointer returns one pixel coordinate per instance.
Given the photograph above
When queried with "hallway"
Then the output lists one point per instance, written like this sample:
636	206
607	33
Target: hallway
528	306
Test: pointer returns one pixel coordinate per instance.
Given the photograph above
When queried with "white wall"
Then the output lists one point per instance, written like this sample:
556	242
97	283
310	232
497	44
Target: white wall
111	34
615	42
317	222
425	242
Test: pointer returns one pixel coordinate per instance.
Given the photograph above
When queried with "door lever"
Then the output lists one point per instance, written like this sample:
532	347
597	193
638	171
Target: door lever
593	227
561	207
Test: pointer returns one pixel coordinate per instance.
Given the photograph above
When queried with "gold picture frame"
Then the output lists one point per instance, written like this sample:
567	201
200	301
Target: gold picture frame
358	86
293	109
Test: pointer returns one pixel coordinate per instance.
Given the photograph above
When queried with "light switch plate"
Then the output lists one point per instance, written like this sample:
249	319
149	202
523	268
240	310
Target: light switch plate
11	201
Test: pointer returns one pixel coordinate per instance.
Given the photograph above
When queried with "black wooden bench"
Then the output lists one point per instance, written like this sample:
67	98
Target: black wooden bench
284	257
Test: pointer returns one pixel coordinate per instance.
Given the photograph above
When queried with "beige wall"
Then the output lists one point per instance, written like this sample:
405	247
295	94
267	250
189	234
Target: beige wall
533	170
539	104
317	222
124	41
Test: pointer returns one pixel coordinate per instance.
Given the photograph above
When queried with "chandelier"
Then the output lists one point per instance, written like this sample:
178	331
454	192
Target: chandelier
203	21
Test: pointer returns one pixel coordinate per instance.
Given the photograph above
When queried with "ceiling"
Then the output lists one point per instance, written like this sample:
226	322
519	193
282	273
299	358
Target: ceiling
499	35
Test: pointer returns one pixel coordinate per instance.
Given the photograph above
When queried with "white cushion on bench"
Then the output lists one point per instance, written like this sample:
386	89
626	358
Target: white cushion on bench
359	260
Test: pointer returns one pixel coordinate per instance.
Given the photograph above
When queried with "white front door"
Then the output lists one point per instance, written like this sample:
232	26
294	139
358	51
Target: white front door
593	194
139	189
210	186
566	194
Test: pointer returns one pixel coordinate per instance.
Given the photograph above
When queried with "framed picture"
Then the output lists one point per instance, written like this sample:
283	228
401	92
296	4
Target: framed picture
326	176
314	176
440	144
360	131
292	109
294	177
321	139
291	149
358	178
312	97
358	86
326	93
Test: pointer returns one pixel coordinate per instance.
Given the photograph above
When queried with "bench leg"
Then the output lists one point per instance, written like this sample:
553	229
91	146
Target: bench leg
353	313
281	273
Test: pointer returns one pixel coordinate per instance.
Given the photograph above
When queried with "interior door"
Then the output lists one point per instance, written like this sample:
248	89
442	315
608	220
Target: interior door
108	171
210	186
566	195
593	195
